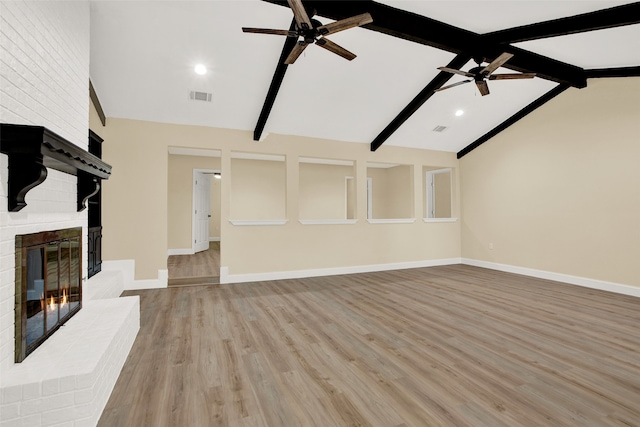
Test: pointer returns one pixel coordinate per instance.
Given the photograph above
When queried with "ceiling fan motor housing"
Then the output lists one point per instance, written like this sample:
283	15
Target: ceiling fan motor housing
309	34
476	71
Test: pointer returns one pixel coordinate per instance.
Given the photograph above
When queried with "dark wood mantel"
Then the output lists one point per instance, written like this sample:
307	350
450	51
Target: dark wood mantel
33	149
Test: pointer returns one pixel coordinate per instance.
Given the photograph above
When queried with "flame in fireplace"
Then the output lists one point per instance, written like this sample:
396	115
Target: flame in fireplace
64	298
52	303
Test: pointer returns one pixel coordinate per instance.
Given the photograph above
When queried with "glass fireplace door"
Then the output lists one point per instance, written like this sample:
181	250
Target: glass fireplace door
48	285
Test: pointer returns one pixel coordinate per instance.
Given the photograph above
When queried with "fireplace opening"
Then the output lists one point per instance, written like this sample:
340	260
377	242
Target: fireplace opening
48	285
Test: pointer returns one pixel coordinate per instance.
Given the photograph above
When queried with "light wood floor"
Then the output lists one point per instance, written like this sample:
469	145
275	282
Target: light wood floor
202	268
443	346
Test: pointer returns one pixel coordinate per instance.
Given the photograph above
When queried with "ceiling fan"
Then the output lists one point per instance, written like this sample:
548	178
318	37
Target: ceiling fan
480	74
312	30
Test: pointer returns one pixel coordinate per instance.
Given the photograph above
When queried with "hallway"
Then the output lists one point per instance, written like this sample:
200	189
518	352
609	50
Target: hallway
202	268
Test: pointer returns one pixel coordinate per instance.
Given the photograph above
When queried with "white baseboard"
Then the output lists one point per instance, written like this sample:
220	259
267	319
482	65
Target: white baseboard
226	278
214	239
160	282
185	251
128	268
558	277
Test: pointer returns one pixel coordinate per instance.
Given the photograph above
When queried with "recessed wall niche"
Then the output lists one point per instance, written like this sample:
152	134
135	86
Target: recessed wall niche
258	186
326	189
438	193
389	191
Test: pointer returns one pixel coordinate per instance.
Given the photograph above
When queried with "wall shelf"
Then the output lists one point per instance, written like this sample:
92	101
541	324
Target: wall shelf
328	221
253	222
392	221
33	149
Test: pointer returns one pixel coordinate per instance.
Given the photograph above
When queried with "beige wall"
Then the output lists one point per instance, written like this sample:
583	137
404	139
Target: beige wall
400	192
560	190
180	198
393	192
135	200
442	187
322	191
258	189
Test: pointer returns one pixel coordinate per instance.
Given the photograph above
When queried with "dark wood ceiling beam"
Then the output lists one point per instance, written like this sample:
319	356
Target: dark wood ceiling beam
417	102
420	29
618	16
466	44
513	119
276	82
96	103
613	72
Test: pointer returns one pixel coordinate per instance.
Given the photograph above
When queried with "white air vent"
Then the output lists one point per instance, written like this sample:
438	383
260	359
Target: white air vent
200	96
439	128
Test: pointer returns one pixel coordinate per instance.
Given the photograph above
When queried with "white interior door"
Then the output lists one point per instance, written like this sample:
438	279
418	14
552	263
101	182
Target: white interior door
201	211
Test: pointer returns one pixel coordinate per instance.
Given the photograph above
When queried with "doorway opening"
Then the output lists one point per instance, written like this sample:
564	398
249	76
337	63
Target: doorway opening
201	266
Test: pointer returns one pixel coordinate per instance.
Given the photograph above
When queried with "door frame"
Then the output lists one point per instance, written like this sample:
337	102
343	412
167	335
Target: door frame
369	197
193	203
430	193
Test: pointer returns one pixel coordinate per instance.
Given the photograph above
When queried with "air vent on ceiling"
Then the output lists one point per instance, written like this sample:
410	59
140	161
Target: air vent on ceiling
200	96
439	128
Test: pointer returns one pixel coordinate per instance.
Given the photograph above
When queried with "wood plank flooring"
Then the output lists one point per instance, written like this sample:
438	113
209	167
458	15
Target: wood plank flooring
441	346
202	268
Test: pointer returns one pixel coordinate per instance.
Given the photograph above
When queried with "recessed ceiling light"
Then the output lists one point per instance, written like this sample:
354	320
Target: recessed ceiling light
201	69
459	113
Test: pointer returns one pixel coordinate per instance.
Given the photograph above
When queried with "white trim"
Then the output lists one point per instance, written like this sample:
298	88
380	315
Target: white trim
185	251
160	282
243	222
317	161
392	221
431	190
558	277
381	165
128	268
327	221
214	239
200	152
369	197
257	156
226	278
440	219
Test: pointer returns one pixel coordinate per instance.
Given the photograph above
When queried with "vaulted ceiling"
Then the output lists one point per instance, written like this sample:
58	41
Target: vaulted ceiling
143	54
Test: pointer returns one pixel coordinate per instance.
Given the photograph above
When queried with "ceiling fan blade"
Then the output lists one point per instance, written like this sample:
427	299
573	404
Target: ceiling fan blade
295	52
270	31
512	76
452	85
337	49
496	63
345	24
454	71
300	14
483	87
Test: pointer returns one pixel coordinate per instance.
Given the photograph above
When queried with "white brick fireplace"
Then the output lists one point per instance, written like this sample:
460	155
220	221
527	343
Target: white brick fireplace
44	81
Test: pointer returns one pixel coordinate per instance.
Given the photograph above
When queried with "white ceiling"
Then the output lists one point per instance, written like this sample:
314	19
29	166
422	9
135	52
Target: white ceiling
143	54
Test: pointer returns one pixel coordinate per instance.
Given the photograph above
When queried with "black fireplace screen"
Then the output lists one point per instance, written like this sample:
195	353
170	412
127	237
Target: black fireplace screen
48	285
